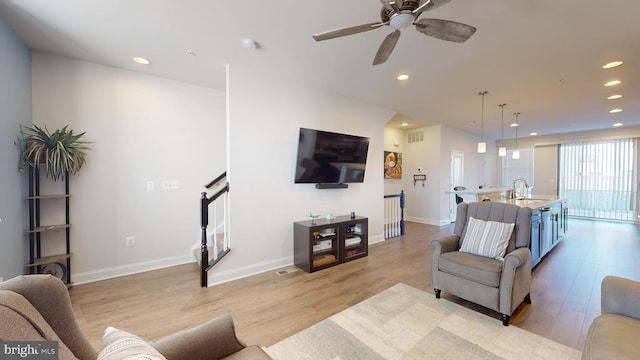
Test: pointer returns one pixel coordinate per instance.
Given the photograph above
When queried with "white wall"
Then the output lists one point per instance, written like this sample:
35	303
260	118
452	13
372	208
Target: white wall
15	110
143	128
265	115
431	204
421	201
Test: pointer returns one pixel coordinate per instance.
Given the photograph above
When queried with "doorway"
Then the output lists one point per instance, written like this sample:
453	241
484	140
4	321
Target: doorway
455	179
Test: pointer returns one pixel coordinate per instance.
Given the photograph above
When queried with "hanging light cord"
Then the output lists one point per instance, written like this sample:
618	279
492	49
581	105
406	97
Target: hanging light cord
517	114
483	93
502	121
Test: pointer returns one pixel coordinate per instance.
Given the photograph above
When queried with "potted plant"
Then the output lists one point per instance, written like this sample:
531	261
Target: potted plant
59	152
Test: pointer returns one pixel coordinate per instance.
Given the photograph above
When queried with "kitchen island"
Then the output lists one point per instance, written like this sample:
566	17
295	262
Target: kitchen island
548	222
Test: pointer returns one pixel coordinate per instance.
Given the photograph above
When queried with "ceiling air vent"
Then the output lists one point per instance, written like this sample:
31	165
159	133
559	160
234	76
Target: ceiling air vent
414	137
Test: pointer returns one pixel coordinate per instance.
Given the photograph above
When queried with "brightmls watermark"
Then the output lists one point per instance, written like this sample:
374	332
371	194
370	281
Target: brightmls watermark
30	350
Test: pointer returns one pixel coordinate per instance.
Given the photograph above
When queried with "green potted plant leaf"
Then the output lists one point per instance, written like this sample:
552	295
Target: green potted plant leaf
59	152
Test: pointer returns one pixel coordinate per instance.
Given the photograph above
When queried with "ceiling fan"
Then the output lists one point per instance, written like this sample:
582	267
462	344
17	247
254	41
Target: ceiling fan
400	15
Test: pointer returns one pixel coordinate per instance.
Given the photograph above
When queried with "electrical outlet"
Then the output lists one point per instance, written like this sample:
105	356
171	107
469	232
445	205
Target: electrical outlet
129	241
151	185
170	184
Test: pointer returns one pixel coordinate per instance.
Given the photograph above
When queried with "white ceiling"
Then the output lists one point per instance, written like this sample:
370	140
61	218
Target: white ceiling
543	58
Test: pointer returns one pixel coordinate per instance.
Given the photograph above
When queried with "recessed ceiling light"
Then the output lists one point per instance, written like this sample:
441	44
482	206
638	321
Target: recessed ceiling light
614	97
402	77
514	125
612	64
141	60
613	111
533	134
405	124
617	125
613	83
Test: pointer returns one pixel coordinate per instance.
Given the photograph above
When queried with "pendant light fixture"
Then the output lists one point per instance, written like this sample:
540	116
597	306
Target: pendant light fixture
502	150
482	145
516	153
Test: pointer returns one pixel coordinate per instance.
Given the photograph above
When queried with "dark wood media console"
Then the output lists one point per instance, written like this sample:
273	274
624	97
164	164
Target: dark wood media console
321	243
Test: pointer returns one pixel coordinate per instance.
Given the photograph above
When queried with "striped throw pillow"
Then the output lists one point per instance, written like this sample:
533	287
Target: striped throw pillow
487	238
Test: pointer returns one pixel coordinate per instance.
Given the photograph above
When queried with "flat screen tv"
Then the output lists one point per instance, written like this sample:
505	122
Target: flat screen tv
328	157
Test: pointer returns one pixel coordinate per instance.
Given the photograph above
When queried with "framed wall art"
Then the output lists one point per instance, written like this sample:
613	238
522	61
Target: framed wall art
392	165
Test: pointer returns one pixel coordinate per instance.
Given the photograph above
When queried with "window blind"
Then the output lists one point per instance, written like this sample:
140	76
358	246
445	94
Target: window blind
599	178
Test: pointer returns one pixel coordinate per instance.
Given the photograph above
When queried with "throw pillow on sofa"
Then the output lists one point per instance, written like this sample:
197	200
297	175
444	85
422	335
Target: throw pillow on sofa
121	345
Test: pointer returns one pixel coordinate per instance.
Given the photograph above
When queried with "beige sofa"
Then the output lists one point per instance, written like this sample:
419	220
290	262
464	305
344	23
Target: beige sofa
38	308
614	334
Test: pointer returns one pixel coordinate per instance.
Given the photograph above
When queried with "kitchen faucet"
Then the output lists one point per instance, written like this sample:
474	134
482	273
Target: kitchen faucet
513	190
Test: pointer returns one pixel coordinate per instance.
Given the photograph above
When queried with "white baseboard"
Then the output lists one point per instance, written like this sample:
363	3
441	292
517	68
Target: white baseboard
428	221
215	275
376	239
109	273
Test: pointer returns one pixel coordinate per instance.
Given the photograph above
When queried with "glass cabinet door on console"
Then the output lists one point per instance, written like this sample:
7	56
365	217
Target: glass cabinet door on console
355	244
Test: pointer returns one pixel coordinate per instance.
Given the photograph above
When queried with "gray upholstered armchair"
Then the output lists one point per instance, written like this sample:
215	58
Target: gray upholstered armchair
500	283
614	334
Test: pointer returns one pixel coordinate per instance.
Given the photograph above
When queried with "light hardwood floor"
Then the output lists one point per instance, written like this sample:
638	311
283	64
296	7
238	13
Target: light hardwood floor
267	308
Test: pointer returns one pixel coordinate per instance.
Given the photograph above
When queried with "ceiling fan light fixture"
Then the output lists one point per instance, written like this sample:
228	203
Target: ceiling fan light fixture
401	20
399	15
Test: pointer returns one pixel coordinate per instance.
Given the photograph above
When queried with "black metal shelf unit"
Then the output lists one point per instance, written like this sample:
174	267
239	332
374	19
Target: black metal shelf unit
58	265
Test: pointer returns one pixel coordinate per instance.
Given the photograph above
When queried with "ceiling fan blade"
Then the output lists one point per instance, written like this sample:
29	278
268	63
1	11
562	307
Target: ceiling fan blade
430	5
445	29
387	46
386	3
331	34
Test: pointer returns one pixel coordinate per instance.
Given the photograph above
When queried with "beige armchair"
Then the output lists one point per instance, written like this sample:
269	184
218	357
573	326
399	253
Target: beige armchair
498	284
38	308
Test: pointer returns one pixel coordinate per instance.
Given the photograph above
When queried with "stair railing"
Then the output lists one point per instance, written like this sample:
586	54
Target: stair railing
394	215
205	202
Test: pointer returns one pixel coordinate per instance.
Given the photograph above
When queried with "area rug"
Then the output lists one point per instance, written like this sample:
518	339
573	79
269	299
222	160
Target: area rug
406	323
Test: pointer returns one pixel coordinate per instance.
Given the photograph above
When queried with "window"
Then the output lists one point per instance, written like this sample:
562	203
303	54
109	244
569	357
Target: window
517	168
598	178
